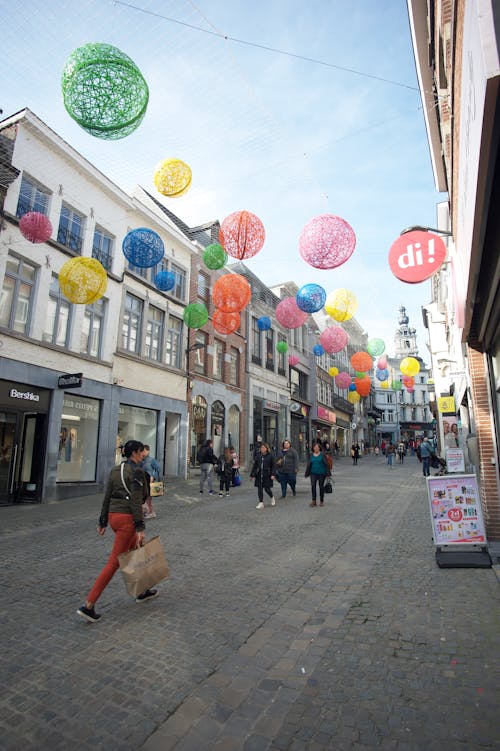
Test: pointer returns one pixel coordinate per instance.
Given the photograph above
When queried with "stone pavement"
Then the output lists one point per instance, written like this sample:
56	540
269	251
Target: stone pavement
289	628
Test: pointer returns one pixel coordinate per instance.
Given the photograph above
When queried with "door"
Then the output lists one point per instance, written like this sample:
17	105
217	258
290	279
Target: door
8	455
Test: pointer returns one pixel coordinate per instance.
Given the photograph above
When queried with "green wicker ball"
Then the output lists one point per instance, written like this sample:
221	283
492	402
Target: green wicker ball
214	256
104	91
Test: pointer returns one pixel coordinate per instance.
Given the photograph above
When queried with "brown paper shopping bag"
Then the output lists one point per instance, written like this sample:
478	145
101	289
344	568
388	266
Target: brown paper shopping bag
143	567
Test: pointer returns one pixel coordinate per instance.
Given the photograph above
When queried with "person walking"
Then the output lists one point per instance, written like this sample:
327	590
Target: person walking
317	470
206	459
122	510
401	452
264	472
236	464
224	469
426	453
355	453
287	463
389	453
152	470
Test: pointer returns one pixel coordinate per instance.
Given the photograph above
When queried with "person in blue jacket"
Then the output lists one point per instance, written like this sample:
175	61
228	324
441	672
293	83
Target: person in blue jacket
426	453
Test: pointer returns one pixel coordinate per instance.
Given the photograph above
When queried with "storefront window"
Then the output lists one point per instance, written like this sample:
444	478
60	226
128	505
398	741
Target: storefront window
78	439
139	424
198	425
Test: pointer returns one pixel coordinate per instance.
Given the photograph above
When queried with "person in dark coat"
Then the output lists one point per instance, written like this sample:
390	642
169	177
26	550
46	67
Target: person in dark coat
207	460
225	471
288	465
264	472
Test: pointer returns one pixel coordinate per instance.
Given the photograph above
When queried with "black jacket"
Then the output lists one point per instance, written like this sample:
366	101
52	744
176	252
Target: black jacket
263	469
206	455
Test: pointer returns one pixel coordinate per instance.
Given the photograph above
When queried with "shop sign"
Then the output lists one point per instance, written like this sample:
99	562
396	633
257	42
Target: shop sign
70	381
27	395
299	409
416	256
446	404
272	405
326	414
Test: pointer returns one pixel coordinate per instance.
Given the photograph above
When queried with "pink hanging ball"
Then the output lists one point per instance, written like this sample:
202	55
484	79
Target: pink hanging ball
333	339
293	360
327	241
343	380
35	227
242	234
289	314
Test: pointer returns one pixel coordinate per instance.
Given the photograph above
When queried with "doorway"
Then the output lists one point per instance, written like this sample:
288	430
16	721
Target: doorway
22	453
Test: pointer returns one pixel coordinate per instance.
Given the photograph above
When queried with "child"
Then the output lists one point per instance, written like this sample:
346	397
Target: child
225	471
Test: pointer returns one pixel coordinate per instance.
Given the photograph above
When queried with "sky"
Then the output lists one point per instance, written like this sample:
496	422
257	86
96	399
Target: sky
262	128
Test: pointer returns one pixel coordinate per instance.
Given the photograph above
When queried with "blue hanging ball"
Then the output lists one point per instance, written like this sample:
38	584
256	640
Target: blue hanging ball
310	298
382	375
164	280
264	323
143	248
352	387
318	350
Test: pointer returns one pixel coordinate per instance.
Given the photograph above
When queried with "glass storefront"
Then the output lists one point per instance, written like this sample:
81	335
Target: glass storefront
78	439
198	425
139	424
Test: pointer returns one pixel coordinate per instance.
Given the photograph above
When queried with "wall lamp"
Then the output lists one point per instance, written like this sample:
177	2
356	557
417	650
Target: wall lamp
196	345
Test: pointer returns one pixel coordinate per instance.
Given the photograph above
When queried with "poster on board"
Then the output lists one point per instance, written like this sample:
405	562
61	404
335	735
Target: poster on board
455	460
455	508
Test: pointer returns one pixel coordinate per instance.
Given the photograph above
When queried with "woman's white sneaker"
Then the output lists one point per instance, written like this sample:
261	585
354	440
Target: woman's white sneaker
260	505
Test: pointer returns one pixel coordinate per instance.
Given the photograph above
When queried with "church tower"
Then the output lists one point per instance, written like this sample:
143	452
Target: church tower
405	337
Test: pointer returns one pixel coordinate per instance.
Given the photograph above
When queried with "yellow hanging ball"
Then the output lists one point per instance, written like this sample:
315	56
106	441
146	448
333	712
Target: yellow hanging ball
83	280
409	366
341	304
172	177
333	371
384	384
353	397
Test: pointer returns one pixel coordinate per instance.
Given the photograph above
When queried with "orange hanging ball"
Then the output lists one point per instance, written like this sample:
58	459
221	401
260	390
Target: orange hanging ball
225	323
242	234
362	362
231	293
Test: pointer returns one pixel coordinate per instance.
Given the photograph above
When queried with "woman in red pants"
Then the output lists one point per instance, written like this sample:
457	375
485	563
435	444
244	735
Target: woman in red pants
122	510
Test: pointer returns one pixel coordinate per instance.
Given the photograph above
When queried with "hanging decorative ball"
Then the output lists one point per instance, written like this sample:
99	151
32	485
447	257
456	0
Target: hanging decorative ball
397	385
289	314
382	362
352	387
343	380
318	350
293	360
164	280
231	293
333	339
410	389
409	366
375	347
83	280
360	373
195	315
327	241
408	381
35	227
384	385
172	177
362	361
104	91
333	371
264	323
310	298
214	256
381	374
282	347
341	304
143	248
242	234
226	323
363	385
353	397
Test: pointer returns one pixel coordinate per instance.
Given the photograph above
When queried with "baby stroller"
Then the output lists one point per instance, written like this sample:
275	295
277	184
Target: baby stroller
437	462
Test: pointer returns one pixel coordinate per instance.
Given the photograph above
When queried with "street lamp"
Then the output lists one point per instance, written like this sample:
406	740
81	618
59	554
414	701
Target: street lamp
419	228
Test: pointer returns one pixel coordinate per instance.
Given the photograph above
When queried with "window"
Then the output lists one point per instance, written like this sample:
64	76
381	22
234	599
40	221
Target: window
154	329
270	349
78	439
256	343
93	329
70	232
413	412
173	354
102	248
16	299
32	197
200	354
132	323
203	288
179	288
389	398
390	415
234	367
218	371
57	322
298	384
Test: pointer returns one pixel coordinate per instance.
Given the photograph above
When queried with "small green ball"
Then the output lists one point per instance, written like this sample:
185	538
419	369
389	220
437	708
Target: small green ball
214	256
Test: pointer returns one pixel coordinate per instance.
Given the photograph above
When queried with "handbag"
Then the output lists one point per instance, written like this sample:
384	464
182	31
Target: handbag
236	481
156	488
144	567
328	486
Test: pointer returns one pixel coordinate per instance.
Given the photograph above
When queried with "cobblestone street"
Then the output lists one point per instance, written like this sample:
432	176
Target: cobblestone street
284	629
